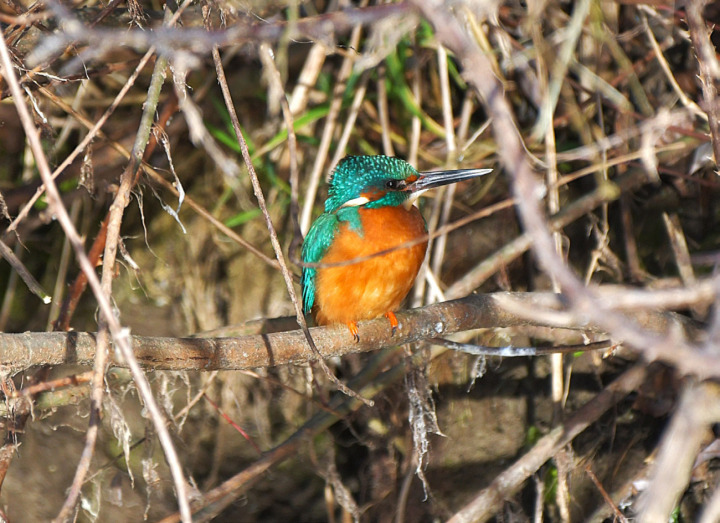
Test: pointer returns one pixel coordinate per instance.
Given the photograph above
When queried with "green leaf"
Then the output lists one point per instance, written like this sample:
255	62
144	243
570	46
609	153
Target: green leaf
242	218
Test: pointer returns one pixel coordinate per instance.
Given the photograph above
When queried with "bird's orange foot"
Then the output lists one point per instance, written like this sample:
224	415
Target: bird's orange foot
354	330
390	315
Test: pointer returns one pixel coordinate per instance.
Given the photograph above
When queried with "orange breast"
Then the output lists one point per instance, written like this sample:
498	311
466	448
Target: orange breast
368	289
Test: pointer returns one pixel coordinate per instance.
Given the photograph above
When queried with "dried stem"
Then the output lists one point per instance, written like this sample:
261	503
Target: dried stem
287	276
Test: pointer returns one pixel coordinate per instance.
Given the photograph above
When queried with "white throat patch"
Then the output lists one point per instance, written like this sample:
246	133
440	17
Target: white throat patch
356	202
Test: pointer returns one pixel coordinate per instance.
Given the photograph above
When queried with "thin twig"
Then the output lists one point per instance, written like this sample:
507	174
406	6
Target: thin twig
349	127
307	78
287	276
448	193
19	267
618	515
275	78
383	114
686	101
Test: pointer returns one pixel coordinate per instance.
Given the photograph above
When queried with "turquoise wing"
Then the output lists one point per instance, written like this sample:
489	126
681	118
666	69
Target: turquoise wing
316	244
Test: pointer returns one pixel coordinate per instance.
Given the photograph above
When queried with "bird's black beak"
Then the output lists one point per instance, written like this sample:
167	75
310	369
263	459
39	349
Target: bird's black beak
428	180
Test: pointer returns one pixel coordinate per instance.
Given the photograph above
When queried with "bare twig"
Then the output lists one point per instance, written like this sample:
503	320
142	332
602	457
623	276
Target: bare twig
550	89
598	484
686	101
679	247
112	239
25	275
287	276
349	127
275	78
383	115
307	78
438	246
573	32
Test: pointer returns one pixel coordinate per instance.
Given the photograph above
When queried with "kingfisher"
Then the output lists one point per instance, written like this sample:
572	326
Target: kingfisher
369	210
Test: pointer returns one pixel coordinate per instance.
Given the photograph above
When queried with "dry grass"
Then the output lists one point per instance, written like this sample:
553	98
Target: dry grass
600	120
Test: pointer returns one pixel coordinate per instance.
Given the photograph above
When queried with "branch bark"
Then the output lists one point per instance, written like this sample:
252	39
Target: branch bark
480	311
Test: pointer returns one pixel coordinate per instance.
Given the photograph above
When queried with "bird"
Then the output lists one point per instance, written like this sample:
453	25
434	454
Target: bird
369	210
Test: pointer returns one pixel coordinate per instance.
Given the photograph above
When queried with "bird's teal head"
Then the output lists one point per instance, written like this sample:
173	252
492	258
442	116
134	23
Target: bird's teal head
381	181
370	181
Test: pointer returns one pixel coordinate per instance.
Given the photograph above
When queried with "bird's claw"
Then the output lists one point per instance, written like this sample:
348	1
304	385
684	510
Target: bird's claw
393	322
354	331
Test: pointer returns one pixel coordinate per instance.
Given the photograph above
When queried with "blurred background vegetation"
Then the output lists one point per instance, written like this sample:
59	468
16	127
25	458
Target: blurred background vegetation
620	82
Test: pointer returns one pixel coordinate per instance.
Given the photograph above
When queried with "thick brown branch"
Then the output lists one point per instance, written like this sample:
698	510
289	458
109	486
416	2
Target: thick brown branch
20	351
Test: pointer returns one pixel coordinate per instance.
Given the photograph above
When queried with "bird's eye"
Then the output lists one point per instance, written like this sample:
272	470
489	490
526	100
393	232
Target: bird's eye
393	185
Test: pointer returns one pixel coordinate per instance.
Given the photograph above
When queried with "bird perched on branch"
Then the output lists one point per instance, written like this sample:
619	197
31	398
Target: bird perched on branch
369	210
